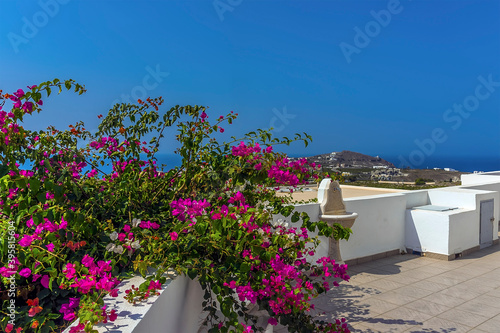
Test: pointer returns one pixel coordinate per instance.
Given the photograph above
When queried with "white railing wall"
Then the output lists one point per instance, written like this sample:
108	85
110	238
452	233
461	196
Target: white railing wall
385	223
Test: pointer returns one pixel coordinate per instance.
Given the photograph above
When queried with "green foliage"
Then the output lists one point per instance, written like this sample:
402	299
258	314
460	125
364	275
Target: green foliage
82	230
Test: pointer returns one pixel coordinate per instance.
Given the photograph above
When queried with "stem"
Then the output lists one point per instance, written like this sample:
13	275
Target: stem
52	254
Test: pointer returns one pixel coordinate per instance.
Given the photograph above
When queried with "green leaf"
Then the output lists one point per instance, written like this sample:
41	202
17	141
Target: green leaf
3	170
192	273
245	267
44	293
226	307
34	185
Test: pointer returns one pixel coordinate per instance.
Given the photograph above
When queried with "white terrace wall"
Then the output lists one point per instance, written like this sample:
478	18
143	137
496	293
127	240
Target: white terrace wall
485	186
479	178
384	222
416	198
441	232
177	310
381	226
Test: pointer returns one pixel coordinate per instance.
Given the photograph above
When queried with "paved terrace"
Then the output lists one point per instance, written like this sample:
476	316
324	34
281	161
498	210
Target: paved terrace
348	191
409	293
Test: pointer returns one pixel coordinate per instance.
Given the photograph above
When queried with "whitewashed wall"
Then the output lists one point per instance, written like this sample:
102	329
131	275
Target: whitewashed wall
416	198
427	231
379	226
494	187
478	178
449	232
453	197
385	222
176	310
464	231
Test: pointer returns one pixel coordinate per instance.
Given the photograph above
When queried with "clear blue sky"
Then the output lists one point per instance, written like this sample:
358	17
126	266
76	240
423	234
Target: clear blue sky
374	92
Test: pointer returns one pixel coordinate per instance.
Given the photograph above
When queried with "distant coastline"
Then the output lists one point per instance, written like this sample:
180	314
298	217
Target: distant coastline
459	163
463	164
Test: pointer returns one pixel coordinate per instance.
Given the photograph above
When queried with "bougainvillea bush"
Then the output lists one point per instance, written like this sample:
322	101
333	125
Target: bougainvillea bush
72	229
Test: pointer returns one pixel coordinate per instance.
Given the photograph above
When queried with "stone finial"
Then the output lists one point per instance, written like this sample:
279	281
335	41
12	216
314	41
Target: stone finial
332	203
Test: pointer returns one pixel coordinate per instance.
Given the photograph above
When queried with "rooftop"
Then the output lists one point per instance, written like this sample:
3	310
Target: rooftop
348	191
409	293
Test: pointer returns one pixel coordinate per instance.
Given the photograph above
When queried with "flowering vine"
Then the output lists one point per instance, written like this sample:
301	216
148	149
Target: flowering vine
81	218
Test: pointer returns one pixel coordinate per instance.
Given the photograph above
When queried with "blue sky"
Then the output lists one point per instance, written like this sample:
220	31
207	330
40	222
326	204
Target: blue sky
377	77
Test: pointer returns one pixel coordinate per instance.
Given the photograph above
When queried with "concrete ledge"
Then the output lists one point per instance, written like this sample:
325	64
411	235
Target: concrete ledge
446	257
372	257
176	310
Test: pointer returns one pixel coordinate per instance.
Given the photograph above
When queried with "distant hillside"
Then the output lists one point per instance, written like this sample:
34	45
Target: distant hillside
349	159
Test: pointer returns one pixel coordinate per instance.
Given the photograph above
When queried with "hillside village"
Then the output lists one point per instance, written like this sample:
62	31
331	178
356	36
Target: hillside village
360	167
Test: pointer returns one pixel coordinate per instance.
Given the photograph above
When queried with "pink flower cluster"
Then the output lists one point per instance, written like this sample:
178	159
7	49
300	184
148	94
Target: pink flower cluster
98	277
188	208
68	309
11	269
243	150
74	168
8	126
27	106
26	241
149	225
47	226
110	143
330	268
285	172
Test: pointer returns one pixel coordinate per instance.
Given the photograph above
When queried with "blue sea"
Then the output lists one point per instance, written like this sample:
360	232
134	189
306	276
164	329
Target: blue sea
464	163
171	161
459	163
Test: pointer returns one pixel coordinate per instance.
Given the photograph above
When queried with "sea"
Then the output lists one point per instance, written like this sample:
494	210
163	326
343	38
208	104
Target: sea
459	163
464	164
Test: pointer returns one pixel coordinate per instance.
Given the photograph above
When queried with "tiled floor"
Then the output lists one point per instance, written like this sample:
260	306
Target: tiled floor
416	294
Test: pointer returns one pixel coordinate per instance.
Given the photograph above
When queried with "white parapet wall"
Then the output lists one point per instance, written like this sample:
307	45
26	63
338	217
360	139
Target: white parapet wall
379	227
479	178
442	233
176	310
386	223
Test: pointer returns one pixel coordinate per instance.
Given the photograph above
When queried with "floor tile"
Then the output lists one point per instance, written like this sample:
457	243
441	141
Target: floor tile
395	298
491	325
419	295
463	317
413	291
408	314
458	293
442	325
479	308
429	285
384	285
428	307
446	300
